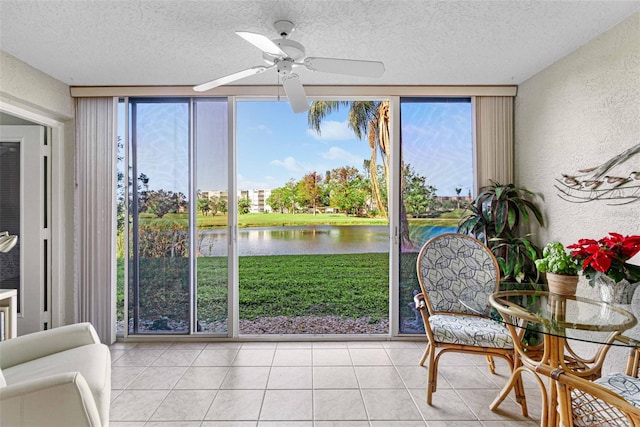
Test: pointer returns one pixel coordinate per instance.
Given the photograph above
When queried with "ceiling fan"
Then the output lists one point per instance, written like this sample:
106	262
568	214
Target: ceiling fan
284	55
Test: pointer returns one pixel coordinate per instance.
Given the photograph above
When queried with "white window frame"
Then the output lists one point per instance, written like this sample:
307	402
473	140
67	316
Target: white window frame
347	93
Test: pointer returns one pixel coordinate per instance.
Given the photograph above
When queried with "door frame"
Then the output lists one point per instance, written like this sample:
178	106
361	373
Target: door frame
34	287
61	260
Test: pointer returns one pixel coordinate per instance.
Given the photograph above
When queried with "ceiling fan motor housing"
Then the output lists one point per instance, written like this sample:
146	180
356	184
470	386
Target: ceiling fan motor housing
293	49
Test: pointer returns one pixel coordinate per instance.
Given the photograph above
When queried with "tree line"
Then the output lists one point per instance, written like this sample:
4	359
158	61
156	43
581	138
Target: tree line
350	191
345	189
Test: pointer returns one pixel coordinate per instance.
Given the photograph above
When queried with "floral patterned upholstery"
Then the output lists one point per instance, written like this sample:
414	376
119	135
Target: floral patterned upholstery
458	274
624	385
470	330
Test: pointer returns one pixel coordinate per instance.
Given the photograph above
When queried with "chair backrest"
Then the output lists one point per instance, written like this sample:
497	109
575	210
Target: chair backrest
458	274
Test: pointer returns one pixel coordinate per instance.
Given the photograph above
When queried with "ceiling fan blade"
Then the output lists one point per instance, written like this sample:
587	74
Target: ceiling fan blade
231	78
261	42
345	66
295	92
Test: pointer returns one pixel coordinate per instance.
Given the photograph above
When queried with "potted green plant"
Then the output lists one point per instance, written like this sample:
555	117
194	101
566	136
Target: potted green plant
560	267
498	217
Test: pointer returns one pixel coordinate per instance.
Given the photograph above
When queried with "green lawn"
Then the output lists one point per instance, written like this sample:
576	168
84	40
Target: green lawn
350	285
447	219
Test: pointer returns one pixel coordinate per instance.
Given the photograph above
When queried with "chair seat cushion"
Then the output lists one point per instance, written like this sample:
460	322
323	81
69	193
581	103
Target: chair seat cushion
626	386
470	330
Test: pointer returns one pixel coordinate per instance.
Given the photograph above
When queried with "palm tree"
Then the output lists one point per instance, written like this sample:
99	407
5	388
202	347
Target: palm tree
369	118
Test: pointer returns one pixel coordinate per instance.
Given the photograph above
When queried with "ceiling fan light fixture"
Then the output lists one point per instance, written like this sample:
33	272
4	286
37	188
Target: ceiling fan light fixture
284	66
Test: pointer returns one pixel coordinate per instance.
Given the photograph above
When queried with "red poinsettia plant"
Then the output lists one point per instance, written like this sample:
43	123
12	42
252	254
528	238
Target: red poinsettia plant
608	256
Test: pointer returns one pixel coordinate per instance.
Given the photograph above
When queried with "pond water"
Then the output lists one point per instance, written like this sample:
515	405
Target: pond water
322	239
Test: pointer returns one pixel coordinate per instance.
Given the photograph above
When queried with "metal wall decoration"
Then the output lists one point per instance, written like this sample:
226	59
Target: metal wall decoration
604	182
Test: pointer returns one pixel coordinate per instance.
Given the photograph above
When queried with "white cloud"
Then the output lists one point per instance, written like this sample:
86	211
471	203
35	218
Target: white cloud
290	164
265	129
331	130
338	154
261	128
257	184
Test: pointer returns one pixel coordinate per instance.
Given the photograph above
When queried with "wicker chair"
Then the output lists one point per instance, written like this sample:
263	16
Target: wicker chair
457	274
612	400
633	361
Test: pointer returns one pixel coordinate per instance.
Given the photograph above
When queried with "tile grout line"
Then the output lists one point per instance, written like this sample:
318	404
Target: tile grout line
266	385
407	389
364	403
168	391
313	391
401	362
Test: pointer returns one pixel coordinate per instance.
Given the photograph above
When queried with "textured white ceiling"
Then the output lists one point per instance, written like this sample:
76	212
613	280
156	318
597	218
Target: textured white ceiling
181	42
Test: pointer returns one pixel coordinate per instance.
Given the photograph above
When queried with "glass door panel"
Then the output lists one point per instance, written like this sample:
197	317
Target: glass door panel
212	220
159	281
436	181
313	240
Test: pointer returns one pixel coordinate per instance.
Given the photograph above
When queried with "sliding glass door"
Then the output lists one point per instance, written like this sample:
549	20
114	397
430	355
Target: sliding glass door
309	210
177	224
159	291
313	233
437	180
211	216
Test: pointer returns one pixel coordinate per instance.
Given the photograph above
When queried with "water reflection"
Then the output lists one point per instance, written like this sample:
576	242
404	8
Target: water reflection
324	239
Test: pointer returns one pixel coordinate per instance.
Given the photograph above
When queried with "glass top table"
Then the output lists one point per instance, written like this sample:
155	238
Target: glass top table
560	320
570	317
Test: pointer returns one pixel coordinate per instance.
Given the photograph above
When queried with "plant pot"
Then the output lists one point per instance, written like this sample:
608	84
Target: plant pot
616	292
562	284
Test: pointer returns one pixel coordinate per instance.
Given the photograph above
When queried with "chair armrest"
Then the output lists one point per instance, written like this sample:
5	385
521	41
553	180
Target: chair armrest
56	400
633	359
39	344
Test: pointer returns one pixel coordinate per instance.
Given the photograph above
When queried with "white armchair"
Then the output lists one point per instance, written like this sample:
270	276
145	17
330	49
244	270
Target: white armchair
58	377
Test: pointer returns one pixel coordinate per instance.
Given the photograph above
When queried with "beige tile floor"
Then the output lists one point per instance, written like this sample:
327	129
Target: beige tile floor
320	384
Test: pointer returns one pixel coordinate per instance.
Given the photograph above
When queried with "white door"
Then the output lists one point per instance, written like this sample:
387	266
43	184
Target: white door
25	207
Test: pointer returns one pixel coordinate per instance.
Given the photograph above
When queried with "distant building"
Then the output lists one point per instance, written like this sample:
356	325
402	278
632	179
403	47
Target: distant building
215	195
258	199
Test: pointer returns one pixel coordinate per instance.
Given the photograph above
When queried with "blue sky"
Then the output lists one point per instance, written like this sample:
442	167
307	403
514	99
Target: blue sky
275	145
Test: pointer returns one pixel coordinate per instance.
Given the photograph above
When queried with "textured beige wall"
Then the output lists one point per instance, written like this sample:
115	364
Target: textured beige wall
31	87
578	113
